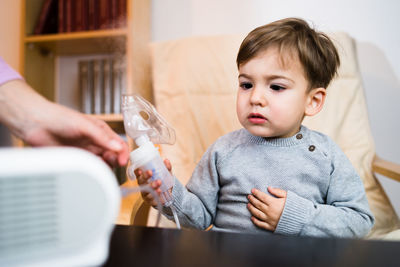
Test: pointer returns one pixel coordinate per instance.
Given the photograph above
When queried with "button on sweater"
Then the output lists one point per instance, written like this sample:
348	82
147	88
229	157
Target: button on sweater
325	195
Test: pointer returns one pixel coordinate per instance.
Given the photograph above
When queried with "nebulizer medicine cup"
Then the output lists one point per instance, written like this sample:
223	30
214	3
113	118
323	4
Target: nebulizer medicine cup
147	158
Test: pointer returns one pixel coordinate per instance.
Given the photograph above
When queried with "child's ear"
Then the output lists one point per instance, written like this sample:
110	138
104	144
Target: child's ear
315	101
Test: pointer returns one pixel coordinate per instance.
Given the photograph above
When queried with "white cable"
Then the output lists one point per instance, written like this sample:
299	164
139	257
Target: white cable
178	225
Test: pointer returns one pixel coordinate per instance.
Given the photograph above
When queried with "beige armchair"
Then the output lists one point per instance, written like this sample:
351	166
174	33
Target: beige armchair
195	83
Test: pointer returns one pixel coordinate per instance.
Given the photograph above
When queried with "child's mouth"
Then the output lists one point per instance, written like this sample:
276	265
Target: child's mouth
256	118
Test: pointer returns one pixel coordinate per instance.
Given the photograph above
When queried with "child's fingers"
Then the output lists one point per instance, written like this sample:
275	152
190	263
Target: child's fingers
147	174
263	197
156	185
139	176
148	197
262	224
257	203
138	172
277	192
168	164
143	177
256	212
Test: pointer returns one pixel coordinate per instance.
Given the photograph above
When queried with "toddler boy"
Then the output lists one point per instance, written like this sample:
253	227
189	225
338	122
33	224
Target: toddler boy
275	175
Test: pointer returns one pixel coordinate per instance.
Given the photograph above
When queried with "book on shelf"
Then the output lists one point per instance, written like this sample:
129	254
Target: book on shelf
84	85
92	17
80	15
91	86
118	14
47	19
60	16
114	14
121	14
69	15
108	73
81	18
105	14
118	85
101	83
97	86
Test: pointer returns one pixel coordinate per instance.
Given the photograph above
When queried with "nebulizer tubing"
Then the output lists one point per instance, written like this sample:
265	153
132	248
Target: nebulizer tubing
145	126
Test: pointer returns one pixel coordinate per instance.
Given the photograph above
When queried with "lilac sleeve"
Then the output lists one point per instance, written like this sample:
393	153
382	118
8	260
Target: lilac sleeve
7	73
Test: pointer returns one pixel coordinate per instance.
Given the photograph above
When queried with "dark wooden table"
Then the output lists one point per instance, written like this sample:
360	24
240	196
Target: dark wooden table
142	246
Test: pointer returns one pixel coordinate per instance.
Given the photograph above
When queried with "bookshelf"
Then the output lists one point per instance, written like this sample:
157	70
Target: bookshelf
46	61
41	54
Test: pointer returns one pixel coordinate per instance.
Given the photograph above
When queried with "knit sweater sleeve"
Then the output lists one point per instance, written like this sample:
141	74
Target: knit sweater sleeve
345	213
196	204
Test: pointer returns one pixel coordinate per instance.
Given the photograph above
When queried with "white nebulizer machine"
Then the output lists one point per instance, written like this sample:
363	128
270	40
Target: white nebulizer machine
58	207
146	127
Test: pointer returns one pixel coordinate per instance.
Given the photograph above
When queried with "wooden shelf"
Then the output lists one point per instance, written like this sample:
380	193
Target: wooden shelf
78	43
76	35
115	121
41	55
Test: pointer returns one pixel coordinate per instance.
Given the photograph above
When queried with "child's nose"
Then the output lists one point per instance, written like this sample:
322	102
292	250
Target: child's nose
258	97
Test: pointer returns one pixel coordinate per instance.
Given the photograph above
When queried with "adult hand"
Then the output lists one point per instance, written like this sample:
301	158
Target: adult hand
60	126
42	123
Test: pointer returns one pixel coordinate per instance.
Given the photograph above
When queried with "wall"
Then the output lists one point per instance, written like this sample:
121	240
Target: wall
373	24
10	25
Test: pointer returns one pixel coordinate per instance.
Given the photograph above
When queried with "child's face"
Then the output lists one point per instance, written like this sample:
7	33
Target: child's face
272	98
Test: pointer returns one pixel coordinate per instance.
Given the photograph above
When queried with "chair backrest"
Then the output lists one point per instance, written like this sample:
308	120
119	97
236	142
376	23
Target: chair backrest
195	84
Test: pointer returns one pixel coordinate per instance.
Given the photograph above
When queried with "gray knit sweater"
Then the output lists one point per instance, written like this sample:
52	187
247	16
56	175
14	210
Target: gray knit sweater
325	195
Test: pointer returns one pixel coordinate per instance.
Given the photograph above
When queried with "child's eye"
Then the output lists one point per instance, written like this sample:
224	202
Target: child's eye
276	87
246	86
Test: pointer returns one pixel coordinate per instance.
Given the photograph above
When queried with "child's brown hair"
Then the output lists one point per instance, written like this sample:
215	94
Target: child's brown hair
294	37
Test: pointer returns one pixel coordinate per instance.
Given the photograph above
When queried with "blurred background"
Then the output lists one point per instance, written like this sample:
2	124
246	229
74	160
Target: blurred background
372	23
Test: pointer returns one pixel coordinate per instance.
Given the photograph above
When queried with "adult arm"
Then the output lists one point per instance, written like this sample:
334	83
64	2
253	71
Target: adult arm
40	122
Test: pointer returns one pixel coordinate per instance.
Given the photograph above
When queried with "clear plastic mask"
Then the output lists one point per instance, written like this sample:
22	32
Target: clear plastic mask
141	118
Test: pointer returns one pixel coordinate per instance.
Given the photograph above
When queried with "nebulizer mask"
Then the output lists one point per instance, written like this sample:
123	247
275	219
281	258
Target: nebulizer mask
146	127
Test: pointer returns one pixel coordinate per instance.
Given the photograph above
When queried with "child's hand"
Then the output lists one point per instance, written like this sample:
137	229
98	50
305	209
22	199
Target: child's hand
143	178
266	209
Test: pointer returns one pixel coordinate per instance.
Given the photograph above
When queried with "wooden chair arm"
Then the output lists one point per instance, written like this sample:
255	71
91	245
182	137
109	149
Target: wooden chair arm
386	168
133	210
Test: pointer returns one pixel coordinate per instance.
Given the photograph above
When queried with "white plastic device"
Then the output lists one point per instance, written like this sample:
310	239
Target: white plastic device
147	157
57	207
144	125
